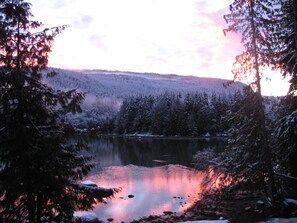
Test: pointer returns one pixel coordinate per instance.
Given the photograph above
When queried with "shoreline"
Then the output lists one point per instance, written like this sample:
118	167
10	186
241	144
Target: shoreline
177	137
244	207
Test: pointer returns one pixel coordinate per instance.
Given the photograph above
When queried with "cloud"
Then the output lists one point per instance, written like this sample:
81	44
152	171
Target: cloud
168	36
98	41
63	4
82	21
59	4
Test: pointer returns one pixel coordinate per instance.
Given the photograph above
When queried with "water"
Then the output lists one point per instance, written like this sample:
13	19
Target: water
157	172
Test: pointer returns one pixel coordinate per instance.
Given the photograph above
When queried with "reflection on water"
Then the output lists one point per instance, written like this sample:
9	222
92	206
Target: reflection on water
155	190
156	171
148	152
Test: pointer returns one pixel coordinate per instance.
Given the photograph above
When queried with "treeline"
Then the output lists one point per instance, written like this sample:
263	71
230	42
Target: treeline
194	114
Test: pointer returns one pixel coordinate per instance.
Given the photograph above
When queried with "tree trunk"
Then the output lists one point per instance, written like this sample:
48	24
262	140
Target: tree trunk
39	207
294	6
30	207
267	150
255	51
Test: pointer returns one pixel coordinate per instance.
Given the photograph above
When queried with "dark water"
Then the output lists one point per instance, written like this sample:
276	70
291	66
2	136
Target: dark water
148	151
156	171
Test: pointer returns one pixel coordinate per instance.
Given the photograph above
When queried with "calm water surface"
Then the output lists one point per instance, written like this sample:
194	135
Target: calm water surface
157	172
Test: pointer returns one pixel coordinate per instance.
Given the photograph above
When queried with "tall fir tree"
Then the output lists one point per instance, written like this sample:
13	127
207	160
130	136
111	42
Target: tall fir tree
39	168
253	19
285	36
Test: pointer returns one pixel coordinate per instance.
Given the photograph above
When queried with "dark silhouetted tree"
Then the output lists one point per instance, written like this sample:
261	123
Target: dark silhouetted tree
285	36
249	145
286	146
39	168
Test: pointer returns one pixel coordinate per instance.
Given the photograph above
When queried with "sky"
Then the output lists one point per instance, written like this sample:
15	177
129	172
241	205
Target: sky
182	37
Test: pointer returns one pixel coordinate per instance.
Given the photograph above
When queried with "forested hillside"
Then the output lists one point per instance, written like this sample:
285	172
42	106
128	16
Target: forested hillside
105	91
129	103
124	84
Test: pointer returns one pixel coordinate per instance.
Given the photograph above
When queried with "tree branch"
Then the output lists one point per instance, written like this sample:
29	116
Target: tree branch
285	176
96	192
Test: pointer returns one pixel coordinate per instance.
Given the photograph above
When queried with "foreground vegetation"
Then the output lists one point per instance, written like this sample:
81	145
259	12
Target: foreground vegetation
39	168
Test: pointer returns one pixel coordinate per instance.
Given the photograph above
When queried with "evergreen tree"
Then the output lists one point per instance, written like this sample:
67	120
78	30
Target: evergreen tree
286	146
121	120
171	114
251	18
159	113
219	106
254	20
38	166
147	113
285	36
128	120
245	159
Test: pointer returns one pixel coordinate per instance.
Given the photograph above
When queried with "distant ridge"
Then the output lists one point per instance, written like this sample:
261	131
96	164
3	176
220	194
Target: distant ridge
133	73
122	84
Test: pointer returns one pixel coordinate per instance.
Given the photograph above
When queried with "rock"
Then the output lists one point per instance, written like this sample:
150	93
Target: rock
168	212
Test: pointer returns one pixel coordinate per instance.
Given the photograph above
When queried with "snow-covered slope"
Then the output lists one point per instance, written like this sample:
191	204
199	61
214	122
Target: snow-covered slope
124	84
105	90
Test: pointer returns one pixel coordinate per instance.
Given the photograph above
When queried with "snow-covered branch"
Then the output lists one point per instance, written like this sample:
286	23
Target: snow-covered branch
94	191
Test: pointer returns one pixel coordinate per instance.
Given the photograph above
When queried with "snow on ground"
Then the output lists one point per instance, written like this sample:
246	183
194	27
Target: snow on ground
273	220
291	201
280	220
207	221
124	84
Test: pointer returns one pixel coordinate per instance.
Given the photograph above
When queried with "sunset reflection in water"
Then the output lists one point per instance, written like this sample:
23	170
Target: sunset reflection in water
166	188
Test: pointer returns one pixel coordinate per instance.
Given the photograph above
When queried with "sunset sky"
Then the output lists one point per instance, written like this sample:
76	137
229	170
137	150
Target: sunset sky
183	37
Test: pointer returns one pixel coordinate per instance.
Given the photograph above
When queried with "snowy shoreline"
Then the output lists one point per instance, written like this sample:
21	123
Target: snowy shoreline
149	135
